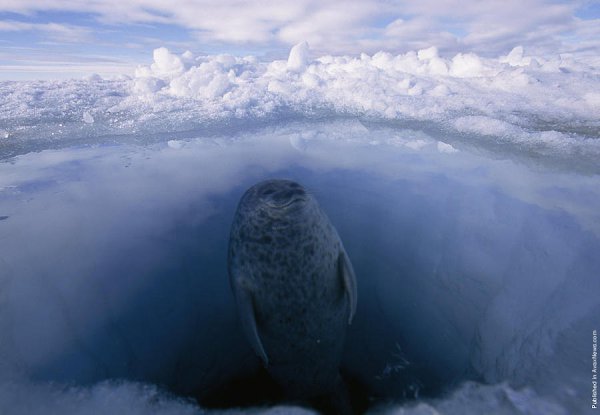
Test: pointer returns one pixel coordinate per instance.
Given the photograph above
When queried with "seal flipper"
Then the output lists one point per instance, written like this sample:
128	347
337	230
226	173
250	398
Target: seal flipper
245	306
349	282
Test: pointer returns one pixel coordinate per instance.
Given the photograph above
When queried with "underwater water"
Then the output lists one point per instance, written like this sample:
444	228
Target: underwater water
477	273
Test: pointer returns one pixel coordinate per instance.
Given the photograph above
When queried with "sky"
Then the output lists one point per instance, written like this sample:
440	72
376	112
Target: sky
73	38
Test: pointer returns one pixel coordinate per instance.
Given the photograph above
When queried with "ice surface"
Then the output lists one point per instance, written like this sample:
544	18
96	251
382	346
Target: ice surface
476	399
545	108
116	397
470	268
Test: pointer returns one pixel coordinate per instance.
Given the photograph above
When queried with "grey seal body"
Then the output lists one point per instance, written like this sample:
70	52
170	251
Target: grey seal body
294	286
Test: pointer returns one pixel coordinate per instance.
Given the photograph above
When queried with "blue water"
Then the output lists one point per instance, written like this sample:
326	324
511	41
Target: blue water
470	268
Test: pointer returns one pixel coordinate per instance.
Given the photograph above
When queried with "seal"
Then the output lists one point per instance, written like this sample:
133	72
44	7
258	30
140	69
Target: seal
294	287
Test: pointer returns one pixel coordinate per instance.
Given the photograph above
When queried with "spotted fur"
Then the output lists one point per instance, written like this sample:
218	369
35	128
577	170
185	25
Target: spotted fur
288	268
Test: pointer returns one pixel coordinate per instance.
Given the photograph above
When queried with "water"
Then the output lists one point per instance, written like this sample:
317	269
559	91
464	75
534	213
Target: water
477	274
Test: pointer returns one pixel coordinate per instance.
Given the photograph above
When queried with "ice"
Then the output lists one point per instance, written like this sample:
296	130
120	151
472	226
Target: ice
476	274
592	99
116	397
485	126
108	397
166	63
87	118
175	144
428	54
416	144
523	98
298	58
516	58
476	399
469	66
445	148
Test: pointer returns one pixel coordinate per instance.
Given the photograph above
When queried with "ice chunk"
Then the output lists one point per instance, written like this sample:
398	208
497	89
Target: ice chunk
438	66
427	54
298	58
440	91
187	57
593	99
147	85
445	148
87	118
415	144
515	57
478	124
466	65
175	144
166	63
298	142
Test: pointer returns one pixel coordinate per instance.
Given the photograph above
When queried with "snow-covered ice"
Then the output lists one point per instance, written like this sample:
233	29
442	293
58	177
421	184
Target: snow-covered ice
543	106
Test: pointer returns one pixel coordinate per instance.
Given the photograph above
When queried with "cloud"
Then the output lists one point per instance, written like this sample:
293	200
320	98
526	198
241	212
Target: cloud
55	31
487	27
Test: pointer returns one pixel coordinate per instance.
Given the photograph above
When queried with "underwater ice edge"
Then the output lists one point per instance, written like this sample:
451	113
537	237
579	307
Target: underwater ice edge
547	108
467	264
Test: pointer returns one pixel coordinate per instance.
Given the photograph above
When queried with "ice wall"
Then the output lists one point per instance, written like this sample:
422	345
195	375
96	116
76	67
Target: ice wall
469	268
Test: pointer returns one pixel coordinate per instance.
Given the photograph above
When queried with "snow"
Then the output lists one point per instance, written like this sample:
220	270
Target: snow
516	58
520	100
428	54
298	58
115	397
87	118
445	148
175	144
165	64
470	65
476	399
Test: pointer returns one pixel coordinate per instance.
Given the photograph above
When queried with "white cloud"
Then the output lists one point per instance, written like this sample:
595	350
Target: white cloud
55	31
351	26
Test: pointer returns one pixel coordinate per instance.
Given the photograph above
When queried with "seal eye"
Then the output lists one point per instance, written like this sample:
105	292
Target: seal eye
281	195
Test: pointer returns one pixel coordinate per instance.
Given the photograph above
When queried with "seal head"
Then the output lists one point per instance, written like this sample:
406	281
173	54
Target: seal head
294	286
